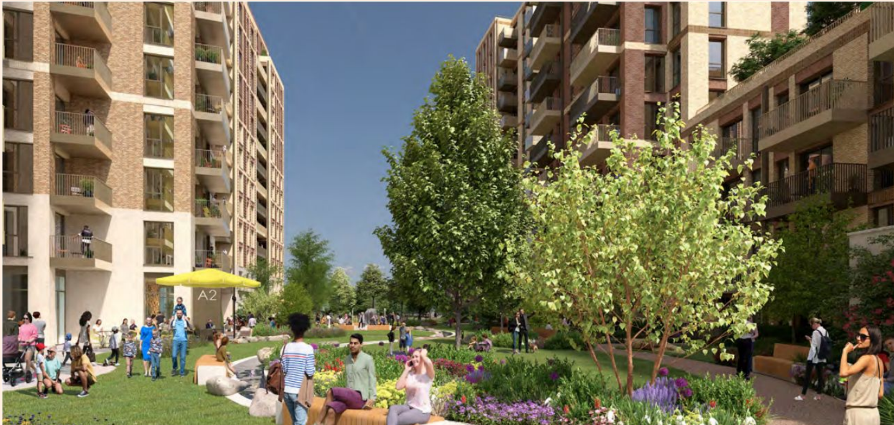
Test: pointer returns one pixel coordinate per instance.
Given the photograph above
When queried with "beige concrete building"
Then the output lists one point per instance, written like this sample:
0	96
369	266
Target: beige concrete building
158	127
614	62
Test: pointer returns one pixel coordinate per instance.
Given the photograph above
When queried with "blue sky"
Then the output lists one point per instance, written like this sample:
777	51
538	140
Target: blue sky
354	73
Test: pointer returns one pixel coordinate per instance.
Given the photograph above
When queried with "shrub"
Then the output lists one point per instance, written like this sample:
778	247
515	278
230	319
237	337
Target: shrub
503	340
886	409
521	380
564	340
387	394
666	393
320	332
730	393
489	411
264	329
581	392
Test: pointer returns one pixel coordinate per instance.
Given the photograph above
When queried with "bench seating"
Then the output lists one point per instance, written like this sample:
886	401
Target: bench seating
374	416
780	364
208	367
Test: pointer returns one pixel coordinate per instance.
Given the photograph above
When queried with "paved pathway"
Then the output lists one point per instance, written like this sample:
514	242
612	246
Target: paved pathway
785	410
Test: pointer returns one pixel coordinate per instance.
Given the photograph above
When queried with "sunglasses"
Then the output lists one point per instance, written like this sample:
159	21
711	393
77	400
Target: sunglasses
862	337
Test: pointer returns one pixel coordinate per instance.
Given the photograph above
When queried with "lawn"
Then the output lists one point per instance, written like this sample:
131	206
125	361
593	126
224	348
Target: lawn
138	400
368	336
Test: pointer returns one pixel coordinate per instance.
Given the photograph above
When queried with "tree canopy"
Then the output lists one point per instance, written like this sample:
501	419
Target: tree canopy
762	51
310	266
372	287
342	299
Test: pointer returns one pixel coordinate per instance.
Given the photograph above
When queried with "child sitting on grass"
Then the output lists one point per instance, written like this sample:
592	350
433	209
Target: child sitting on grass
129	351
156	347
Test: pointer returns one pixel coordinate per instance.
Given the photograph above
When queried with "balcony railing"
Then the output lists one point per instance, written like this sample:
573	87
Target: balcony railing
83	186
262	170
206	158
159	256
208	103
882	22
77	246
262	210
159	148
208	6
881	130
836	178
158	36
883	91
209	259
15	246
741	146
603	132
81	57
208	53
78	124
206	208
829	95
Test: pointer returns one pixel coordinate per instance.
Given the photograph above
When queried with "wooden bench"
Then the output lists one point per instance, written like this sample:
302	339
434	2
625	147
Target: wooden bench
378	328
375	416
780	364
208	367
346	327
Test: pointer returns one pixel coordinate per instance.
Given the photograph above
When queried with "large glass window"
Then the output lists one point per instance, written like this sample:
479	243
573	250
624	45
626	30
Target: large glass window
18	167
675	18
159	136
732	131
159	189
159	77
15	290
159	299
678	65
716	66
717	14
883	82
18	98
654	74
15	225
18	30
650	116
159	243
653	25
159	27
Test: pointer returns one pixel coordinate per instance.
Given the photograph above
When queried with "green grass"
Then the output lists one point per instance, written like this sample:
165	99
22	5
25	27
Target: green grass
137	400
367	336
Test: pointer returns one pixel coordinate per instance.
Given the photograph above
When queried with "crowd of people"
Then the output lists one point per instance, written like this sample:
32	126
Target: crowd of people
362	320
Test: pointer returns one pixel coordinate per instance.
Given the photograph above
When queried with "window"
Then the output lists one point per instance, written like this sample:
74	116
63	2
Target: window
650	116
884	216
18	30
15	225
678	64
653	25
883	79
756	177
159	136
159	243
18	104
15	291
755	126
159	77
654	74
159	189
159	299
159	29
716	52
782	99
781	169
18	167
716	14
732	131
675	18
820	156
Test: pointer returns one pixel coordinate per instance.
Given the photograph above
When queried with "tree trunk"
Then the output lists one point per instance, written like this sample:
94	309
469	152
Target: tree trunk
629	346
662	348
458	314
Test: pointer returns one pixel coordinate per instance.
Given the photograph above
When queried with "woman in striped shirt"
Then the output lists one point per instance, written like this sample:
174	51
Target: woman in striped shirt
297	363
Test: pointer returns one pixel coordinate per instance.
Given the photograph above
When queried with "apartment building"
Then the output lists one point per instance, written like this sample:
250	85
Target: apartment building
140	140
612	63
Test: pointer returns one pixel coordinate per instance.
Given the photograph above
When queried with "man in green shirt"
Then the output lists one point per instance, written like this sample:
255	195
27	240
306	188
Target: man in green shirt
360	371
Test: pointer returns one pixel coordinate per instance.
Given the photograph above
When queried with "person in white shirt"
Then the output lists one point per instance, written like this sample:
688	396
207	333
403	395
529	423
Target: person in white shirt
328	320
252	322
814	361
745	351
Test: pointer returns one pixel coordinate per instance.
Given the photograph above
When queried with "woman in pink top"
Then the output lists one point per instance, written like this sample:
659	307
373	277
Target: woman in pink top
419	373
27	340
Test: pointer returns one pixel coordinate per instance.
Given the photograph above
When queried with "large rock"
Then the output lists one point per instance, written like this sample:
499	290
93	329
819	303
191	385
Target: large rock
252	339
241	341
263	404
221	385
264	354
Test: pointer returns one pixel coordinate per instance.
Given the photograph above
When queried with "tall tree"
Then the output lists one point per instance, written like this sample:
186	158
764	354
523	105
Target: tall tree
820	13
342	299
648	250
762	51
454	197
372	286
295	299
310	266
267	274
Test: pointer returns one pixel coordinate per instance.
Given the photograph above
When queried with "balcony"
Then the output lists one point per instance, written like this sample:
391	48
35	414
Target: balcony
828	109
507	58
212	118
211	70
262	151
208	259
599	147
531	140
594	58
262	252
262	94
213	217
589	17
596	99
544	13
529	72
508	81
158	36
546	46
507	102
546	115
212	170
79	253
882	188
262	171
742	148
507	38
83	20
881	138
262	210
262	133
81	136
546	81
845	185
508	122
881	32
540	149
211	24
81	70
262	191
80	194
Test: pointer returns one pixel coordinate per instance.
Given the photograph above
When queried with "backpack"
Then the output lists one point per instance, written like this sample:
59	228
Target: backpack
825	348
275	378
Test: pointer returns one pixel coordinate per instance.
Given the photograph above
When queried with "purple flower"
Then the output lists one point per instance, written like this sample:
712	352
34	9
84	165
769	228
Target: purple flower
503	361
315	346
663	371
470	368
410	353
554	376
681	383
478	358
687	392
335	345
663	394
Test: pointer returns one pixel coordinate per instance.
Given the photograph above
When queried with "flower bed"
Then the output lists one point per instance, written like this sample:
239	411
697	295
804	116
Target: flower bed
476	388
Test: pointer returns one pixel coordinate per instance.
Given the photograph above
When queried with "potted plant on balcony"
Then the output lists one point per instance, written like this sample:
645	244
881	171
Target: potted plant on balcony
200	53
86	187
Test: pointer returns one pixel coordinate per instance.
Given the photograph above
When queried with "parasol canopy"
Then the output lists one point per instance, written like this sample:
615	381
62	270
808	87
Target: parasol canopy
208	278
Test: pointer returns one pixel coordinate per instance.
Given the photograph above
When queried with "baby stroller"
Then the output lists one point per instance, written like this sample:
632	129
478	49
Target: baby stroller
13	362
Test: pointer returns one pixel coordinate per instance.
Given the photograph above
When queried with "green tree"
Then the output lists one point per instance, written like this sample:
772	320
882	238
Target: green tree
647	250
763	51
814	264
311	265
262	303
873	285
454	197
343	298
372	286
267	274
295	299
821	14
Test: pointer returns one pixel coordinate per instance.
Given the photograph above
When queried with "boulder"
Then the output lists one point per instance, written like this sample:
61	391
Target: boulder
264	354
263	404
221	385
241	341
252	339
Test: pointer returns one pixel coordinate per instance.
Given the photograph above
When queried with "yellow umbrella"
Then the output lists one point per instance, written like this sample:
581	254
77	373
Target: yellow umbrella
210	278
